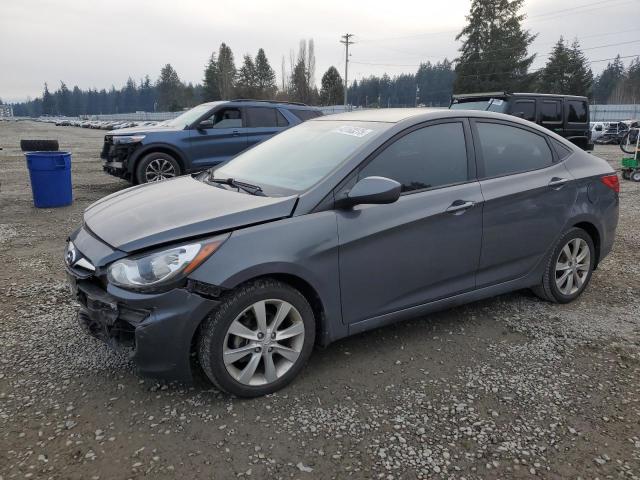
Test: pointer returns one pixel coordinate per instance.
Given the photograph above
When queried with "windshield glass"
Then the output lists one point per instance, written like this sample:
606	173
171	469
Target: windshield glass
488	104
188	117
300	157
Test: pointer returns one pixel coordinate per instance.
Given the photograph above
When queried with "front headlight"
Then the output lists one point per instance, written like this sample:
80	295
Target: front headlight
162	267
124	139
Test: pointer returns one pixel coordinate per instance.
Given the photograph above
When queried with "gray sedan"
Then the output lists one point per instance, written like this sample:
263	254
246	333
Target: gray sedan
339	225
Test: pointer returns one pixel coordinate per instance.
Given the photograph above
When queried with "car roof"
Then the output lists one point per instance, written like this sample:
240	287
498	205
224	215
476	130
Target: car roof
389	115
262	103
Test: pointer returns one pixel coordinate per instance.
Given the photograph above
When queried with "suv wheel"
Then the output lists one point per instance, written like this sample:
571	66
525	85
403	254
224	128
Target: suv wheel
258	339
155	167
569	268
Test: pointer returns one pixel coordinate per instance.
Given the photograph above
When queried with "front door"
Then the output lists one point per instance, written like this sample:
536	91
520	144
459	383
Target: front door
218	138
425	246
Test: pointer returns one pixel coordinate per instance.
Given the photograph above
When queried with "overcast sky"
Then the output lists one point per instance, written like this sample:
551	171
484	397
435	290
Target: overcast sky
96	43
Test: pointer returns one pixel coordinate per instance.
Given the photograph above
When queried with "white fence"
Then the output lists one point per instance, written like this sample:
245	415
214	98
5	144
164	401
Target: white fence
599	113
613	113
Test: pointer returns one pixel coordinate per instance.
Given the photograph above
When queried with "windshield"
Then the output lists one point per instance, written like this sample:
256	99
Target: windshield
488	104
300	157
188	117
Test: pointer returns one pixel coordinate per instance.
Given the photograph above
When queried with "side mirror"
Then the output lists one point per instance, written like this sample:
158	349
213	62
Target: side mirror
204	125
373	190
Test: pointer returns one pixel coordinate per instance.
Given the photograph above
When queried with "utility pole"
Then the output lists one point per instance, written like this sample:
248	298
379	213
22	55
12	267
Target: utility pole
346	41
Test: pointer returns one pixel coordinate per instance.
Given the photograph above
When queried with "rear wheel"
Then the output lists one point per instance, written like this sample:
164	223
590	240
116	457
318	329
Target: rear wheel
258	339
628	142
569	268
157	166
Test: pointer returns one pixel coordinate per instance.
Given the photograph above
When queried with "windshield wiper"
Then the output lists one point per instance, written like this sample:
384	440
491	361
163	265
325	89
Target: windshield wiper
247	187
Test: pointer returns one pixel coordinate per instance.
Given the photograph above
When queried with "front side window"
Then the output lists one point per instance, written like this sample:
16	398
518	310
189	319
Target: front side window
429	157
262	117
224	118
507	150
577	111
525	109
551	111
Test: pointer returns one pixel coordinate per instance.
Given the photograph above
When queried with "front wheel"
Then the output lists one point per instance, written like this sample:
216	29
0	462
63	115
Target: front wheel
155	167
258	339
569	268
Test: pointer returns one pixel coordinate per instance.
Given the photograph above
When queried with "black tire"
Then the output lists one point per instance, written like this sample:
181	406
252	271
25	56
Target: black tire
635	176
626	174
144	166
39	145
548	289
628	142
213	334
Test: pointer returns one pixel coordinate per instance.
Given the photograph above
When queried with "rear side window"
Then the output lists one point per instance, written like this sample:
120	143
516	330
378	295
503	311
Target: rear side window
577	111
551	111
262	117
429	157
562	150
280	120
525	109
507	150
306	114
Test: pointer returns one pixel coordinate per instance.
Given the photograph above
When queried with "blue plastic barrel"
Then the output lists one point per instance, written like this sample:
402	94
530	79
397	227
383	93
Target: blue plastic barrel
50	174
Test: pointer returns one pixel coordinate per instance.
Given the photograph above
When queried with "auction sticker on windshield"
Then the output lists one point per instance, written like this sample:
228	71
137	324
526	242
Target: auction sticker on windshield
353	131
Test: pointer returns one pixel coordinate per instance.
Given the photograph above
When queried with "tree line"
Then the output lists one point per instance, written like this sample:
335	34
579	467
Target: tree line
493	56
254	78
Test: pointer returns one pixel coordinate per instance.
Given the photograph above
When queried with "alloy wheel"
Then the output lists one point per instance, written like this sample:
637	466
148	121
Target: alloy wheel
159	169
263	342
572	266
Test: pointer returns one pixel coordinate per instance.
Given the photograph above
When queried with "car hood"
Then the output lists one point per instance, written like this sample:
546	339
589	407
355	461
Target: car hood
143	130
158	213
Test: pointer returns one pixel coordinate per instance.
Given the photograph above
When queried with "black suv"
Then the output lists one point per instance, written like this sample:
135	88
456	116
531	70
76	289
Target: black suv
566	115
202	137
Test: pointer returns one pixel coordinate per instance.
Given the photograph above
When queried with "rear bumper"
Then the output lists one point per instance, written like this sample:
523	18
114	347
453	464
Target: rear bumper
155	330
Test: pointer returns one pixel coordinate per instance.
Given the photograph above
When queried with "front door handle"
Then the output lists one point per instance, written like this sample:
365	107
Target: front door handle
459	206
557	182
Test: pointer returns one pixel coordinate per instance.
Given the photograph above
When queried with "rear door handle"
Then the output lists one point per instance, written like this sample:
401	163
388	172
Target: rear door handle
235	133
557	182
459	206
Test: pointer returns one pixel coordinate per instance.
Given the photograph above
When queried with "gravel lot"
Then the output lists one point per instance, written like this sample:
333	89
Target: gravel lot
506	388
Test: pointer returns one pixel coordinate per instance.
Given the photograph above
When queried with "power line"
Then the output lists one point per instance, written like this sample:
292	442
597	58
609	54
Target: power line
492	51
551	16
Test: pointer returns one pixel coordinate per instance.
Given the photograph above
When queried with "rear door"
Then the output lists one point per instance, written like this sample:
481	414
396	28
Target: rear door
577	125
425	246
528	195
264	123
220	137
551	114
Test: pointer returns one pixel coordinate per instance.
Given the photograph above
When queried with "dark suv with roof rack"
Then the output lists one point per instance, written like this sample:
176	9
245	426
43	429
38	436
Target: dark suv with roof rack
205	136
565	115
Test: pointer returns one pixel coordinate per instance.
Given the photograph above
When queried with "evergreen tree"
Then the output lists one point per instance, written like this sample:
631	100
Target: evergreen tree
78	102
169	90
147	95
332	91
129	97
247	79
607	81
211	82
493	55
63	100
435	83
265	76
48	104
554	78
226	72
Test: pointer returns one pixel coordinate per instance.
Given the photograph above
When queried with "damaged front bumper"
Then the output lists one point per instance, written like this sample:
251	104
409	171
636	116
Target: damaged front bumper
155	330
116	157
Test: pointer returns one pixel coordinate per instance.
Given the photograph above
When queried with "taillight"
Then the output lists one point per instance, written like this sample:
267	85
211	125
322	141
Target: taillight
612	182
